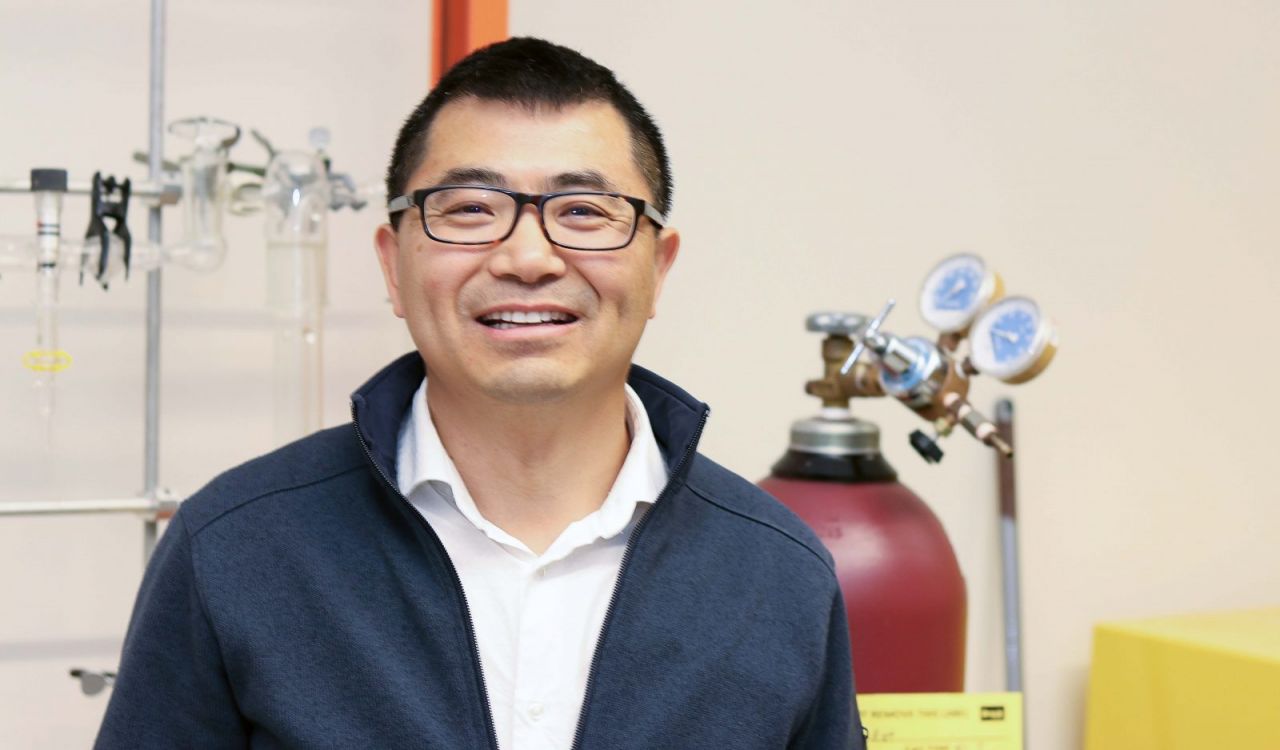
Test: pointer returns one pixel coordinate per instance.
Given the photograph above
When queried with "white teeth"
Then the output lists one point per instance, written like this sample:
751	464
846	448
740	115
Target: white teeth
521	317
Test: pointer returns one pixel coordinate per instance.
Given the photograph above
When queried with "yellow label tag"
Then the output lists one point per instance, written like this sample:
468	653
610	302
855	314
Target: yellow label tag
46	360
942	721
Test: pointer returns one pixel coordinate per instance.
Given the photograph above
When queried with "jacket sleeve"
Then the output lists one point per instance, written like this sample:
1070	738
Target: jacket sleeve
171	689
833	722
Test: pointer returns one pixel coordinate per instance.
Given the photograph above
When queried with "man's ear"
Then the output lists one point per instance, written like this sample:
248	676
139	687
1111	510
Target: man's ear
665	251
387	243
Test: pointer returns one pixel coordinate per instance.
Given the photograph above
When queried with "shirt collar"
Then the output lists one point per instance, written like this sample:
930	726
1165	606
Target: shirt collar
422	458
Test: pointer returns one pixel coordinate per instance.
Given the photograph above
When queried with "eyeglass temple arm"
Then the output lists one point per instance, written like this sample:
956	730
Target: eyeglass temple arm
654	216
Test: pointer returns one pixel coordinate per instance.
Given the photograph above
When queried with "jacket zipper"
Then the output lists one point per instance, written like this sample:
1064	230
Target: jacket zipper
622	570
457	582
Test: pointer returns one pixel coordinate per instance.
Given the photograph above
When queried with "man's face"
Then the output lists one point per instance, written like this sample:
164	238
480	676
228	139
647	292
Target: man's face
451	295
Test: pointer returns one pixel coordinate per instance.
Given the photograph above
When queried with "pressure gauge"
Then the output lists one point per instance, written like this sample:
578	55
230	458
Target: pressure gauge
956	290
1012	340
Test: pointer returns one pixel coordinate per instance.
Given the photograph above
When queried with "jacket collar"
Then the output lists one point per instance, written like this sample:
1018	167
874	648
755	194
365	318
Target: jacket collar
378	406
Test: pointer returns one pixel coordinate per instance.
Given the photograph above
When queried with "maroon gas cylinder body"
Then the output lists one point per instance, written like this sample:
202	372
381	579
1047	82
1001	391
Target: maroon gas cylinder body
903	591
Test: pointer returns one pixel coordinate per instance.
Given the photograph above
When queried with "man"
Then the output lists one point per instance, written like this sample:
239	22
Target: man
515	545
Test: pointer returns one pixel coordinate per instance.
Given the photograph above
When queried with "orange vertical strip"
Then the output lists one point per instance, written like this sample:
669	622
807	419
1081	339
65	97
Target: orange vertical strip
463	26
438	26
488	24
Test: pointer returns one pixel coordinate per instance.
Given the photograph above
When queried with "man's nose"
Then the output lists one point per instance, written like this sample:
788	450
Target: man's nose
527	255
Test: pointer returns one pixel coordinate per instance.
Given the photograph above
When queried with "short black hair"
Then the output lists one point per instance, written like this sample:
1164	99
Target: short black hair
533	72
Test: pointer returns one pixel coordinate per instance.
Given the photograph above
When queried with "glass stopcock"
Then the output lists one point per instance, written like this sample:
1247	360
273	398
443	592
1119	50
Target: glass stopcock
956	290
1012	340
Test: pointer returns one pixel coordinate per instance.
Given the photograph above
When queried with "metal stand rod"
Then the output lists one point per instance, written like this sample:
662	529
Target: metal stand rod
152	190
1010	569
142	505
155	151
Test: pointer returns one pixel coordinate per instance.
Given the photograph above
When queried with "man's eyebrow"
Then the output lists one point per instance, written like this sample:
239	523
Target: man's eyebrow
472	176
589	179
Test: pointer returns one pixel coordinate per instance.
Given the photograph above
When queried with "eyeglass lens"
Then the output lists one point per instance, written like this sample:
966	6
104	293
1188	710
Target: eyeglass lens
577	220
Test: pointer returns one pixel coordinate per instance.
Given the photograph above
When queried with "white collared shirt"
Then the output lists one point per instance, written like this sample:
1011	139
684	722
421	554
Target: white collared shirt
537	617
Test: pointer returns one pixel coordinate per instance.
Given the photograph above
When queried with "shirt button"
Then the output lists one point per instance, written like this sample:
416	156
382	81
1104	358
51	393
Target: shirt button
535	711
542	572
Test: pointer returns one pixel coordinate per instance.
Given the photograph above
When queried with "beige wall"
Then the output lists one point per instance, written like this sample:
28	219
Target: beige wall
1118	161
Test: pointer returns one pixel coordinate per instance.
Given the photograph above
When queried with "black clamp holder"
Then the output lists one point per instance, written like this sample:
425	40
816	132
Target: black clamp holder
106	204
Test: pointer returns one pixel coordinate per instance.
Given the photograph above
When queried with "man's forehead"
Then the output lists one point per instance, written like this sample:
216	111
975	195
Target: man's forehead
468	109
511	145
591	179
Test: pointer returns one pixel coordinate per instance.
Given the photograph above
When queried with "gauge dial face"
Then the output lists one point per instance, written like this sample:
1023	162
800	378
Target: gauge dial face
1012	341
956	290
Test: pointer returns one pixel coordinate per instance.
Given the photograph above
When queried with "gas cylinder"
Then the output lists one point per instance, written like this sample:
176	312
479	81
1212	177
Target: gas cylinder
903	590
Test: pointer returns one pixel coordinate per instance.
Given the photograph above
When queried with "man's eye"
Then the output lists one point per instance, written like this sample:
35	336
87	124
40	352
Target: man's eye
464	209
582	211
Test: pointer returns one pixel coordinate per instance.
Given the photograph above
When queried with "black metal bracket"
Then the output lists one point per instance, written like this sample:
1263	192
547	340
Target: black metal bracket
109	199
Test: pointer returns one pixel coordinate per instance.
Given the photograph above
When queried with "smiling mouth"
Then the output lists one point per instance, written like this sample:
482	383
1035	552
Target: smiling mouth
508	319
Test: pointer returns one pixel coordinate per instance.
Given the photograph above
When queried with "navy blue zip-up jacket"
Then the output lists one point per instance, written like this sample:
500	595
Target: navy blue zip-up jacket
300	601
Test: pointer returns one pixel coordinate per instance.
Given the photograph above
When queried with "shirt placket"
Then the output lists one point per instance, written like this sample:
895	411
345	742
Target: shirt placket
540	664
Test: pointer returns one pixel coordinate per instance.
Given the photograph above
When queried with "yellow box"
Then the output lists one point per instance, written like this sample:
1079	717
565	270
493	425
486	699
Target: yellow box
942	721
1186	683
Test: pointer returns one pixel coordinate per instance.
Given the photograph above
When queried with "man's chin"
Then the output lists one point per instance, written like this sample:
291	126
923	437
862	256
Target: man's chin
531	384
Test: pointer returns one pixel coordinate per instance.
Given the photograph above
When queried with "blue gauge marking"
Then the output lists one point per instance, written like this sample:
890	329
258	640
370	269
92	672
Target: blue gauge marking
1012	335
958	289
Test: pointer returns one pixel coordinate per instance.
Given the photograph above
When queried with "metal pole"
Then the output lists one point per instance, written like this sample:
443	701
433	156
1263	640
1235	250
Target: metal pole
167	194
155	164
64	507
1009	552
1009	558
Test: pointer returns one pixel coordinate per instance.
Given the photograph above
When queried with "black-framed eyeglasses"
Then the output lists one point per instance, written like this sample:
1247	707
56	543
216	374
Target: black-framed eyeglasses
481	215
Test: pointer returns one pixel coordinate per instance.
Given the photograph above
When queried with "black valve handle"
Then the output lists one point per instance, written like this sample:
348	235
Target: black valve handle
926	447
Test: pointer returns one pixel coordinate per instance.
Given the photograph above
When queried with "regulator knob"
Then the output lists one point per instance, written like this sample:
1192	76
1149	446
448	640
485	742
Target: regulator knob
871	331
840	323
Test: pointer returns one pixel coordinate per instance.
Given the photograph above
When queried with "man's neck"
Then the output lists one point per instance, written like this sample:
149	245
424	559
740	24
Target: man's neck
533	469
